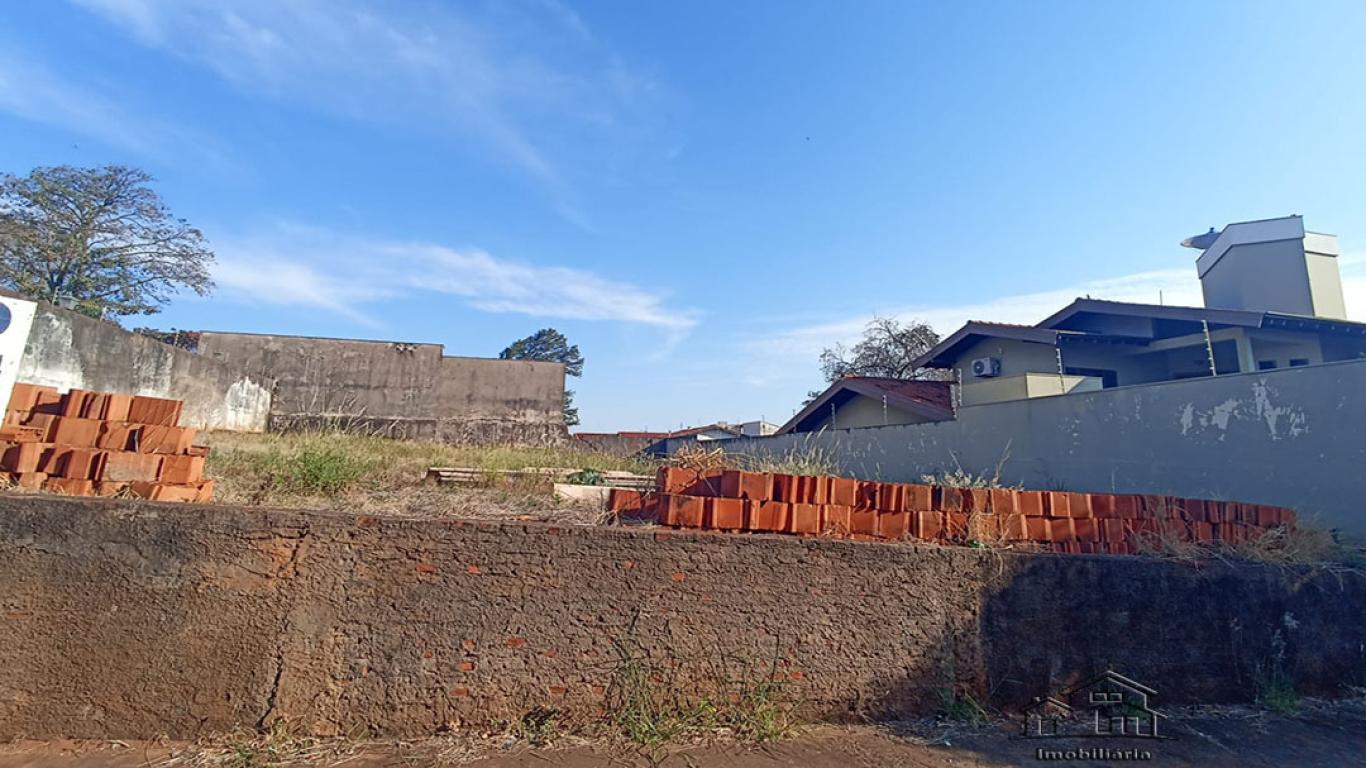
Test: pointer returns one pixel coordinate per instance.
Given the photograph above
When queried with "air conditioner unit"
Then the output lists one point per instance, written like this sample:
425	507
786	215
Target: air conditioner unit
986	367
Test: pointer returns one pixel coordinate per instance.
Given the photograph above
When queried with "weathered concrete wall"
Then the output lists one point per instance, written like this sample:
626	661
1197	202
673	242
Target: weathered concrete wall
337	379
399	389
69	350
133	619
1289	437
477	399
16	319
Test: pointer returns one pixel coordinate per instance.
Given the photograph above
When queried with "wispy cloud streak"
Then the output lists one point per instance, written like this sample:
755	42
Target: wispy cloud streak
522	78
775	355
351	276
32	91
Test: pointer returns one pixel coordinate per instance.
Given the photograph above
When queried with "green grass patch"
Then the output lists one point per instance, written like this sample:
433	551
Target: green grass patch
1276	687
961	708
539	727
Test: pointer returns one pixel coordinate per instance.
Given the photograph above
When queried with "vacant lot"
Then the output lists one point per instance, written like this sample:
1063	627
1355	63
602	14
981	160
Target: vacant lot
380	476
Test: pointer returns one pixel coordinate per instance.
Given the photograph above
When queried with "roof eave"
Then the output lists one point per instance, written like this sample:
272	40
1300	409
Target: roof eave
932	358
905	403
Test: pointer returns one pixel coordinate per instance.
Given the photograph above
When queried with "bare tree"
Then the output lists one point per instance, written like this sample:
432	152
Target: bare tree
98	239
888	348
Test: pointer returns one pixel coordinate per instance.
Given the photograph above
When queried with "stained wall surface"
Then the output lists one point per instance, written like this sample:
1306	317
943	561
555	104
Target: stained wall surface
68	350
399	389
136	619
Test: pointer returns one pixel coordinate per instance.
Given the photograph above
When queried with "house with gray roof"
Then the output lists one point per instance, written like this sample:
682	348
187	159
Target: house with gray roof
1273	299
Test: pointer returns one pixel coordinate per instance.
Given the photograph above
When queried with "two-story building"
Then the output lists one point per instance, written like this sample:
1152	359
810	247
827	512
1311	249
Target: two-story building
1273	299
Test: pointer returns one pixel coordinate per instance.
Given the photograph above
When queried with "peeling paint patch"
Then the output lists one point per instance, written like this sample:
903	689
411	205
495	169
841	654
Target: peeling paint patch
1223	412
248	405
69	351
51	359
1282	420
1293	419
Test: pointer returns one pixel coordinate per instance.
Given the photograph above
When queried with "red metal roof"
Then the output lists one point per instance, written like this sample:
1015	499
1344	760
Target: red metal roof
934	394
930	399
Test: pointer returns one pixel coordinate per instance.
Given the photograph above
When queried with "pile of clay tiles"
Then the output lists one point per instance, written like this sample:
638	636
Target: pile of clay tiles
101	444
1091	523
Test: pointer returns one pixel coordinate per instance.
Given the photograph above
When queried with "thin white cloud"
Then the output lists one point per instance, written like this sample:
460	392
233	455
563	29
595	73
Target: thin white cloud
1353	269
32	91
310	267
1171	286
521	79
775	355
256	276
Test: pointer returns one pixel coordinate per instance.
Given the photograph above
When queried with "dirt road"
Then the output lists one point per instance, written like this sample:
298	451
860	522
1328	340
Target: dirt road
1318	735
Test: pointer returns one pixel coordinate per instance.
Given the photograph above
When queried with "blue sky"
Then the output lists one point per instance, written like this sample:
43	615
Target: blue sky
701	195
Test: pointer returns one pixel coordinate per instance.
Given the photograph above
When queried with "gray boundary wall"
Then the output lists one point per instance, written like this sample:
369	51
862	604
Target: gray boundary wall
68	350
399	389
1294	437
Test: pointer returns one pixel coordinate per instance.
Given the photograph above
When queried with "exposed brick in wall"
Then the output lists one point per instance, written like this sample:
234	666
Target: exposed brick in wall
134	619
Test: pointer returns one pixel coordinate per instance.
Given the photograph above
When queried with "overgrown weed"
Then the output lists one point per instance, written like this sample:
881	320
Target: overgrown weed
539	727
809	458
1275	684
961	708
962	478
650	711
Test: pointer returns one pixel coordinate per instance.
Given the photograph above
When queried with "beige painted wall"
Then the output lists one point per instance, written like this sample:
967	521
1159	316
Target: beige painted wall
1236	350
867	412
984	391
1261	277
1282	348
1021	357
1017	357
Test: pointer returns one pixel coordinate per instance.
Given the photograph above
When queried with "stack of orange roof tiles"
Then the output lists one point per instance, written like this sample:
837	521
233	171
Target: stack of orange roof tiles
732	500
101	444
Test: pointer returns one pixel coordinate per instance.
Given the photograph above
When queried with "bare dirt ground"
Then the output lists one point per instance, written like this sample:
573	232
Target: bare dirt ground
1319	734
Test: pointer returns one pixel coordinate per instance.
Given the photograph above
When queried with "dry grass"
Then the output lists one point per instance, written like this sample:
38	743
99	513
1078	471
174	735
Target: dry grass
1171	546
805	459
1284	545
1296	545
961	478
279	746
380	476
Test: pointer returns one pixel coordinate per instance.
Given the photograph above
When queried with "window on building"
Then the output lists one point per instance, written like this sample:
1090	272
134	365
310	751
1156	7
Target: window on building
1296	362
1266	365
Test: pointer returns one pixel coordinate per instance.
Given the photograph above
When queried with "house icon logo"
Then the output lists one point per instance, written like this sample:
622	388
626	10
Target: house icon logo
1108	704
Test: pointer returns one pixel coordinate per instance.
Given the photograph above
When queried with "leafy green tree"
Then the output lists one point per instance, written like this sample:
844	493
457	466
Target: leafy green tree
550	345
97	239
